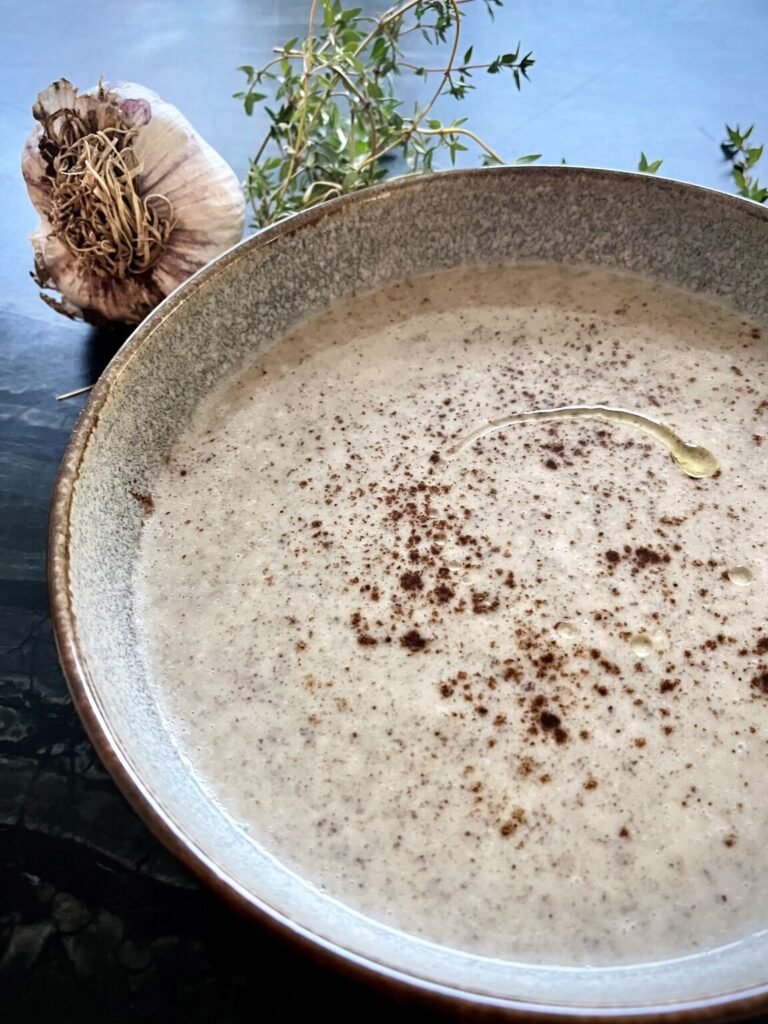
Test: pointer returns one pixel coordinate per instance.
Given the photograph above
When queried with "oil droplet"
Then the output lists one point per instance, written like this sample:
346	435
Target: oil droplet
740	575
692	459
566	630
641	644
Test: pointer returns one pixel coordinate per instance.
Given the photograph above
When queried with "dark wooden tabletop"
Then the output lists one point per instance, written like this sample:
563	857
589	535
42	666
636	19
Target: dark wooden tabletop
97	923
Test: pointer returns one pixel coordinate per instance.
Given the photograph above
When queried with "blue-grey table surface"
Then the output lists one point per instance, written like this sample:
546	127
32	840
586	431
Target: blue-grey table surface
97	923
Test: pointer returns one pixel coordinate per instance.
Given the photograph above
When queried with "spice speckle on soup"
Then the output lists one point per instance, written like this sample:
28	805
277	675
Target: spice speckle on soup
497	680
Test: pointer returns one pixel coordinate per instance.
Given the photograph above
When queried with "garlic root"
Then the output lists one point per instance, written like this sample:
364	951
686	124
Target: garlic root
132	200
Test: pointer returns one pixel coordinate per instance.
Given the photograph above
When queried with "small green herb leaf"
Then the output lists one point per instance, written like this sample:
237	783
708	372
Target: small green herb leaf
648	167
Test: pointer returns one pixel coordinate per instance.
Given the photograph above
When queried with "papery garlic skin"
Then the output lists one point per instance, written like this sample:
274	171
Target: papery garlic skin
176	165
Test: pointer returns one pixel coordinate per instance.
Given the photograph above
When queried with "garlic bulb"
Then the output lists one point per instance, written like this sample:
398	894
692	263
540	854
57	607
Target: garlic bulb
131	199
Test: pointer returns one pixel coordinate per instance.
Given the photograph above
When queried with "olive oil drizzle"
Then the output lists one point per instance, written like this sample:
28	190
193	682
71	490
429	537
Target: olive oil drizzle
692	459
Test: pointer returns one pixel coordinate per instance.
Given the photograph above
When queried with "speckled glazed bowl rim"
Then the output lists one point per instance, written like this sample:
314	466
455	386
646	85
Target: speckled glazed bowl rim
731	1004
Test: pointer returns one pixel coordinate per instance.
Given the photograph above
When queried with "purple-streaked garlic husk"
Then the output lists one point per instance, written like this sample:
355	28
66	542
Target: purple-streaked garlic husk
132	200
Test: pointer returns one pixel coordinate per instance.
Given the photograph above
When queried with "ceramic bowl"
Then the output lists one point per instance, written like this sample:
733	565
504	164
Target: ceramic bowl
674	233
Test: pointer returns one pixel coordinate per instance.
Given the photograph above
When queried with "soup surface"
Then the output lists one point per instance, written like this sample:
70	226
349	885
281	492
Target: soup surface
499	681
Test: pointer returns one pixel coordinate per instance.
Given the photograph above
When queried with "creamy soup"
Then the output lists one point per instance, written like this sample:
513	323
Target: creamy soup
497	680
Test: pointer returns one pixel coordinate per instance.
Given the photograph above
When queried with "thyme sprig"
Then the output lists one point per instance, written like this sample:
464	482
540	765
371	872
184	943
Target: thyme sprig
337	122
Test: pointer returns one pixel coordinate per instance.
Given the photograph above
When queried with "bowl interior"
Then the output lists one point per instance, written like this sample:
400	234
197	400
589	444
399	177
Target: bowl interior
673	233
